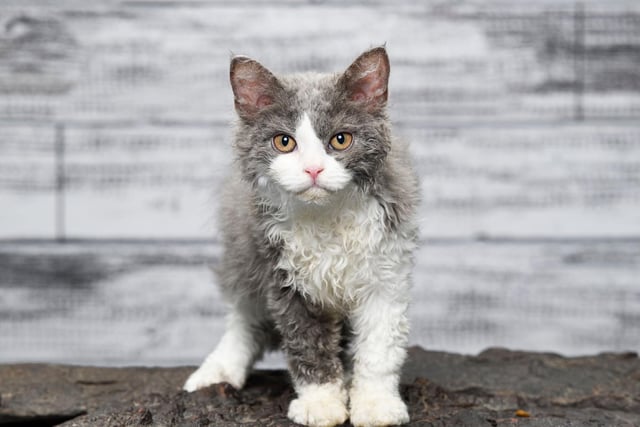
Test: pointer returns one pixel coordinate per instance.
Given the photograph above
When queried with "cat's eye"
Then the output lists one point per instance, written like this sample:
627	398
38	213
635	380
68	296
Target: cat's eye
284	143
341	141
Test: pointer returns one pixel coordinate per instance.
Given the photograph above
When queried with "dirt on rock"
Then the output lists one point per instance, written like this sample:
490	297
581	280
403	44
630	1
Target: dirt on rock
496	388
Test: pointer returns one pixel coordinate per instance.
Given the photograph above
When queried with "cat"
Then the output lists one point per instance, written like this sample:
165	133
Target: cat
319	229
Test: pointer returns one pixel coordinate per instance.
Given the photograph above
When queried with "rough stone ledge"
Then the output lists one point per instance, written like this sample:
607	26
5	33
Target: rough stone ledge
498	387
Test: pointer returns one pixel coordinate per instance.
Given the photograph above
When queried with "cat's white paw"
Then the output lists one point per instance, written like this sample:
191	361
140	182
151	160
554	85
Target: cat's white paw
213	372
375	409
319	406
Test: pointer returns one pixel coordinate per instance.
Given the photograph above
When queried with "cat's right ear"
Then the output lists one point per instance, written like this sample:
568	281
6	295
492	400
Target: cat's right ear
254	87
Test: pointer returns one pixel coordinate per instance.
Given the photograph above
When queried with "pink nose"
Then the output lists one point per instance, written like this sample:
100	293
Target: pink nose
314	172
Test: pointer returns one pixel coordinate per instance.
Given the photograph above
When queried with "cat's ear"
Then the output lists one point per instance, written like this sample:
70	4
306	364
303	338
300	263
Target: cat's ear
367	79
254	87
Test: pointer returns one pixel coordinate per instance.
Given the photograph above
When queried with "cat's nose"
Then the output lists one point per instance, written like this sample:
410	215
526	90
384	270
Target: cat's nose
314	172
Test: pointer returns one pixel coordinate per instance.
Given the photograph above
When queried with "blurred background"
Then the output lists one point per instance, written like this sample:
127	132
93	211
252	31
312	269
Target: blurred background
524	119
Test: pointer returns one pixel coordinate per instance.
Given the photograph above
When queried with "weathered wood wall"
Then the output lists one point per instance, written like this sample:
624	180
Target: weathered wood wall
524	120
153	302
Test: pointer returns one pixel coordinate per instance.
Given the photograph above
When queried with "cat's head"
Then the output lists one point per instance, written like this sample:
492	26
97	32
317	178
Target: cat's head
311	136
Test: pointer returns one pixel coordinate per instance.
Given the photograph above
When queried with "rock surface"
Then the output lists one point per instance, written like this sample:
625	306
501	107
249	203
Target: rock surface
496	388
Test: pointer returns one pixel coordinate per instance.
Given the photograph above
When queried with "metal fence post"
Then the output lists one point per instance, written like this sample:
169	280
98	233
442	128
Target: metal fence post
60	232
579	60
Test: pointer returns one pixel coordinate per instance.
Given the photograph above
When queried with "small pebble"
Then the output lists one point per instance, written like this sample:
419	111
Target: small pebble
146	417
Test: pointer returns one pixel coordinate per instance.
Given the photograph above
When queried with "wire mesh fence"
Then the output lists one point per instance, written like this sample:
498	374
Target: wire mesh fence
114	123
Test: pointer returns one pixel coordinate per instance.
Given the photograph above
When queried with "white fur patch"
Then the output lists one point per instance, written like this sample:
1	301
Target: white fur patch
288	169
339	253
319	405
232	359
380	331
370	407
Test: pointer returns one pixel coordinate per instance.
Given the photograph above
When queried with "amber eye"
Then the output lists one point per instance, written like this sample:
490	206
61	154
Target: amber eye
341	141
284	143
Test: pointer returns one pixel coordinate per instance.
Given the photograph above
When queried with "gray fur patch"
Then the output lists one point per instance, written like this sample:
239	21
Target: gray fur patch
311	338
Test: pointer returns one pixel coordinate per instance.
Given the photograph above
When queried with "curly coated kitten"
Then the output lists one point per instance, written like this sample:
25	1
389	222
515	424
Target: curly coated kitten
319	232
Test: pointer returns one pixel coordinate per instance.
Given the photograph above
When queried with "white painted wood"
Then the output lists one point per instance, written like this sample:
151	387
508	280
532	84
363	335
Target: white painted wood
155	303
487	92
551	180
477	87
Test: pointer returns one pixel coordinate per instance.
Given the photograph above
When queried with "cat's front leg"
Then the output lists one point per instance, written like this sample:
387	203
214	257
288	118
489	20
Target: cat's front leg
380	329
311	341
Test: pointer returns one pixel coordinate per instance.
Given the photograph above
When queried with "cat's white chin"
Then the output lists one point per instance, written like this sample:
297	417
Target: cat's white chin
314	194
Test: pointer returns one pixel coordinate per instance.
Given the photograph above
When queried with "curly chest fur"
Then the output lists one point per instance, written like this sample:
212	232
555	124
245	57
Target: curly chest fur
335	260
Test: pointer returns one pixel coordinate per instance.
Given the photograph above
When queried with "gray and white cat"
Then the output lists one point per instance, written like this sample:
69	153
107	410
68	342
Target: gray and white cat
319	230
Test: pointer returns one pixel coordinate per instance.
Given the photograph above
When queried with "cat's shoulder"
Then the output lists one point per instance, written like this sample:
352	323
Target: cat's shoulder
397	190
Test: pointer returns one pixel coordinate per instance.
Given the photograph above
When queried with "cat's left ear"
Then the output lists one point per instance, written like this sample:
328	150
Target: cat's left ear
367	79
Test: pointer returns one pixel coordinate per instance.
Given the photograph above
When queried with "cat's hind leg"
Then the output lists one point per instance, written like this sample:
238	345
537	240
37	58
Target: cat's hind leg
247	335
